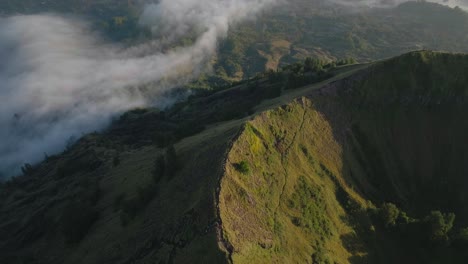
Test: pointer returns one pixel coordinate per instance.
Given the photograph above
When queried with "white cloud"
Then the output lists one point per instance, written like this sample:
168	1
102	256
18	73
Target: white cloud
391	3
59	79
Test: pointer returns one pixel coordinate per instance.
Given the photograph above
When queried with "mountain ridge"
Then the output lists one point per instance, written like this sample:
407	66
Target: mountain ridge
301	177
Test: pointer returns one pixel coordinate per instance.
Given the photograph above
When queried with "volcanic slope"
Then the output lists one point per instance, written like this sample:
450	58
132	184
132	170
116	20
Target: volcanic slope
366	167
312	180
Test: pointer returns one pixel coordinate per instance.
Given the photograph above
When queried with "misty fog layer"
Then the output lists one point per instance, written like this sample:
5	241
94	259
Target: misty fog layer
392	3
59	80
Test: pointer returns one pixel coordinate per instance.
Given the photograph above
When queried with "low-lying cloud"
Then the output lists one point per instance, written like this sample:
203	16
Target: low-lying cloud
58	79
392	3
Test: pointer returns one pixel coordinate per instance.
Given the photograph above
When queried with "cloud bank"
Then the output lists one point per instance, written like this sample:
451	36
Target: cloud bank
392	3
58	79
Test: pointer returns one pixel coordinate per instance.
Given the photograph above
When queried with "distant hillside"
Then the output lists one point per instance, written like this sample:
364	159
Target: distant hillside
118	19
366	166
287	33
290	33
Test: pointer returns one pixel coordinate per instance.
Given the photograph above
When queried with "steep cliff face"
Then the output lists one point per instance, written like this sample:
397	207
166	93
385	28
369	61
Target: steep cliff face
304	181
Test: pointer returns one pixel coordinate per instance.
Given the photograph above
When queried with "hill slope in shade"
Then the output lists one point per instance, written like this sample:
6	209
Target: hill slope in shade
305	177
321	165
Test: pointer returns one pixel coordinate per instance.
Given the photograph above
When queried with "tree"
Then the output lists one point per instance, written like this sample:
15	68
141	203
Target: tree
346	61
389	214
313	65
439	225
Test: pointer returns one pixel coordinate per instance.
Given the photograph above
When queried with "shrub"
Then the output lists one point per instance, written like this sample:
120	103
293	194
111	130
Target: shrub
389	214
242	167
313	65
308	200
403	218
275	77
439	225
346	61
319	257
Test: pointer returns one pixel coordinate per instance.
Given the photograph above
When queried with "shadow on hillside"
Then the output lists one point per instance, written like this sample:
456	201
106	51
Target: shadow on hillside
409	150
354	245
363	245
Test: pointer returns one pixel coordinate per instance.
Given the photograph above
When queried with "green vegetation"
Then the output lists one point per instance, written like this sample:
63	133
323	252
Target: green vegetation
389	214
433	227
287	34
306	178
336	155
291	33
299	182
242	167
439	225
310	203
307	72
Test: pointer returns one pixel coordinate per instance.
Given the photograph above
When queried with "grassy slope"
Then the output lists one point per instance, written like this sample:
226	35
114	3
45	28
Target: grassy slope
317	164
178	225
286	208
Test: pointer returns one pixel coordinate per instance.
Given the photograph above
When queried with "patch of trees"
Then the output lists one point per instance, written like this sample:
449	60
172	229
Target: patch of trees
151	126
434	229
311	70
187	118
81	163
346	61
307	72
